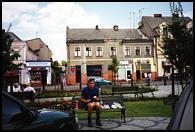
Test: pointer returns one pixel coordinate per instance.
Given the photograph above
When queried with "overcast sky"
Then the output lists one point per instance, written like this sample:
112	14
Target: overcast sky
48	20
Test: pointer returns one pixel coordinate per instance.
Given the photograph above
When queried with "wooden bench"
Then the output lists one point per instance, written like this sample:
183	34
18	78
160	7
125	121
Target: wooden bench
125	90
23	95
132	90
105	100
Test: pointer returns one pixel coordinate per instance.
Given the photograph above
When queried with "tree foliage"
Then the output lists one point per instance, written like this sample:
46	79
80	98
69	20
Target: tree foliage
179	48
63	63
57	69
8	54
114	66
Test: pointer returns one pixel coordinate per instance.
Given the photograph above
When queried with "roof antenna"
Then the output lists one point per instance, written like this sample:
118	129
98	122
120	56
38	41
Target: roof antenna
10	25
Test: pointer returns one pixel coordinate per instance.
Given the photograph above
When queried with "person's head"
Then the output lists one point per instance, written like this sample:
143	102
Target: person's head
91	83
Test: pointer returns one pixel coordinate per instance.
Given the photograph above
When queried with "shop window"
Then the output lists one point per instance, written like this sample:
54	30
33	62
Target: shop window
35	76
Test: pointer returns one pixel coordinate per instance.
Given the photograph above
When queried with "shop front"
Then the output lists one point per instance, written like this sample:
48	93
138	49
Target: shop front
124	71
39	73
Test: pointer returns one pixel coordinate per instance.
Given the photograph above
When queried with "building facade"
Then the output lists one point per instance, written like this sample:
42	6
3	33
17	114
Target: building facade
39	47
155	28
35	59
39	71
25	54
90	52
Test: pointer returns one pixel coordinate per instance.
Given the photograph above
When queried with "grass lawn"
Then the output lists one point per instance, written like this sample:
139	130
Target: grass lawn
150	108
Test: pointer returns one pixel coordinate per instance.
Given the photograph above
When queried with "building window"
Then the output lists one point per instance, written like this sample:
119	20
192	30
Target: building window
137	51
99	51
165	32
77	51
127	51
88	51
113	51
147	51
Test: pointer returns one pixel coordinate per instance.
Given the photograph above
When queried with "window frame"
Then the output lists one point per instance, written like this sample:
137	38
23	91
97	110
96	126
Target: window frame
111	51
77	53
88	53
99	53
139	50
149	53
126	53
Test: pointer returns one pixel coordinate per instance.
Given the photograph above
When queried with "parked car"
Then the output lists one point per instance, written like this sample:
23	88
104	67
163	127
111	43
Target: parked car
99	81
17	116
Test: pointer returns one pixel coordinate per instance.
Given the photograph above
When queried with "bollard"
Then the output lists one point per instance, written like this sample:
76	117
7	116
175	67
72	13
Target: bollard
76	104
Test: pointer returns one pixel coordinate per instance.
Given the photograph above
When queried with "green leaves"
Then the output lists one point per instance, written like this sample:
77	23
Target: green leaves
114	66
8	54
179	49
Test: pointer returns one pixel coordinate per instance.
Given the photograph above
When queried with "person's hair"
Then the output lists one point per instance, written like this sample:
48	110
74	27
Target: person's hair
90	80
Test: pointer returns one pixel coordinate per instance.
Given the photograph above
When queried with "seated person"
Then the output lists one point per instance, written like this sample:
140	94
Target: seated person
90	98
28	88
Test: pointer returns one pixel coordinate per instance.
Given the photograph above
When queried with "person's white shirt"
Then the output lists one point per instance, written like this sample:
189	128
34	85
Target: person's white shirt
16	88
29	89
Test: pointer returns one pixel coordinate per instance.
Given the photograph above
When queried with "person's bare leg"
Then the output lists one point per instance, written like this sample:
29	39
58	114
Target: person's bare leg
98	110
90	109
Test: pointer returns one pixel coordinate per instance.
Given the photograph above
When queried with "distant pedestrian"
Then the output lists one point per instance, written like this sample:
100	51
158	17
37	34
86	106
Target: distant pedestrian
150	76
64	82
164	78
17	87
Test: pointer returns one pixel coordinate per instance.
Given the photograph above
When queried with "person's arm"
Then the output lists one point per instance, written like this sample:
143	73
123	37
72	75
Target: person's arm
82	99
85	100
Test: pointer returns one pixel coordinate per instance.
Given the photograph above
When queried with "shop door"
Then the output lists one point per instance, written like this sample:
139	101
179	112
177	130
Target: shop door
138	74
128	74
78	74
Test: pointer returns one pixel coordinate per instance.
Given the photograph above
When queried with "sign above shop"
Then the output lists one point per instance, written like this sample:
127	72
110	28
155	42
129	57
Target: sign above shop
38	64
124	62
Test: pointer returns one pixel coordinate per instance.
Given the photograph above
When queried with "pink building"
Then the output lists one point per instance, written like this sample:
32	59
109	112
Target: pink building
26	53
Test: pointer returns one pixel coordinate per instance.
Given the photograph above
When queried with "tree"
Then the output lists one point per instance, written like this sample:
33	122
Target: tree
57	71
178	49
8	56
114	67
63	63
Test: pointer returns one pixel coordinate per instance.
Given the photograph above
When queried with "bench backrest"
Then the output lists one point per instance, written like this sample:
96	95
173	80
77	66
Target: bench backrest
124	88
109	99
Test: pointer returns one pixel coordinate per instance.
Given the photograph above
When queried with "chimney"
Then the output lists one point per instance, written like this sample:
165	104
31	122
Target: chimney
157	15
96	27
115	28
